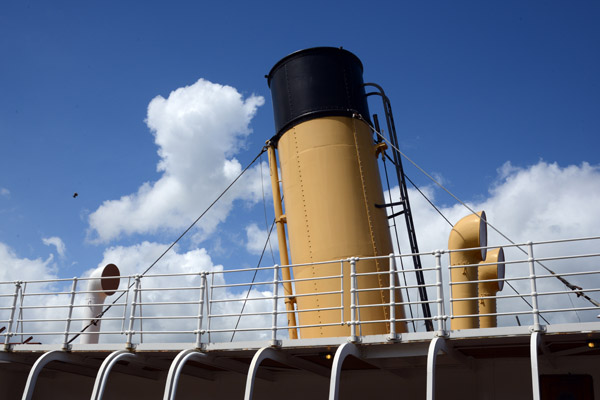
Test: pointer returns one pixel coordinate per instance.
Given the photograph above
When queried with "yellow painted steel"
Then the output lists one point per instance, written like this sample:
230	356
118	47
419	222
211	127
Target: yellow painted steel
283	251
494	270
331	184
469	232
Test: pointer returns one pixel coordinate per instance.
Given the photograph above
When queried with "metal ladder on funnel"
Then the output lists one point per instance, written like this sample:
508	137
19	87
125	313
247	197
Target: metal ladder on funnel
404	202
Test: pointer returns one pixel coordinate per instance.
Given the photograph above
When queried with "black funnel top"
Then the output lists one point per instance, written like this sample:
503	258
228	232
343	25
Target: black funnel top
314	83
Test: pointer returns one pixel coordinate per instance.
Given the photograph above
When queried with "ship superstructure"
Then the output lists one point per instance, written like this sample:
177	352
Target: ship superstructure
338	319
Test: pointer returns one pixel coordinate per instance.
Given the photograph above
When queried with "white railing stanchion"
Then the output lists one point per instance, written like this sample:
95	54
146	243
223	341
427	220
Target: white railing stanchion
343	309
134	302
274	341
393	335
353	294
11	320
124	318
66	345
200	310
209	304
534	295
441	318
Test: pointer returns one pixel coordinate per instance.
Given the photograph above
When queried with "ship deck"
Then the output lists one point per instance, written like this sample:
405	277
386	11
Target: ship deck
175	336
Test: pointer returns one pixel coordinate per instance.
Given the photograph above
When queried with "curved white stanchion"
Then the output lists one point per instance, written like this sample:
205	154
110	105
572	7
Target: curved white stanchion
435	346
262	354
102	376
535	374
40	363
345	350
176	368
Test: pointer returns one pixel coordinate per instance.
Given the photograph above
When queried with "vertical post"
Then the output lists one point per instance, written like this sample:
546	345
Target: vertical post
20	318
441	319
9	331
209	304
125	308
65	345
534	298
343	308
200	310
141	307
136	290
283	251
274	341
393	335
353	287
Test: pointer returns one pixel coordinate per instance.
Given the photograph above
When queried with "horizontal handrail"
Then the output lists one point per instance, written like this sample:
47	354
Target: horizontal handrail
205	303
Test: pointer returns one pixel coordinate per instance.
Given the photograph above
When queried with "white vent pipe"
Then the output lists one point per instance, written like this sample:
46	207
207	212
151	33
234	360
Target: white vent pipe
103	283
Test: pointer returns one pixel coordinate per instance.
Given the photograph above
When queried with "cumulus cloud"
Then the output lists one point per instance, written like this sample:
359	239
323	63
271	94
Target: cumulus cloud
16	268
541	202
256	239
56	242
168	302
177	278
198	130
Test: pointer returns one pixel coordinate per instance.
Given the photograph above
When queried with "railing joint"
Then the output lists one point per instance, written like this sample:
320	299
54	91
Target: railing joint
539	328
396	337
202	347
354	339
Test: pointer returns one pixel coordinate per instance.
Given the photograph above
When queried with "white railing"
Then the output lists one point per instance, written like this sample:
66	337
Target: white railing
248	304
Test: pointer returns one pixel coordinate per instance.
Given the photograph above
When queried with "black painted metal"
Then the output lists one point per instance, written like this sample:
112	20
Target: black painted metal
410	226
315	83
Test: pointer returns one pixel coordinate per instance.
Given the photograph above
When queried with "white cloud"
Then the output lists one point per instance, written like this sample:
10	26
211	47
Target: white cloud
256	239
543	201
540	202
56	242
4	192
176	278
198	129
135	259
15	268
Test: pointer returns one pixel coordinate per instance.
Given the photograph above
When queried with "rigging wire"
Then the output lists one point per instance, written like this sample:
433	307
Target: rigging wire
268	241
387	179
96	319
429	201
262	187
443	216
253	279
576	289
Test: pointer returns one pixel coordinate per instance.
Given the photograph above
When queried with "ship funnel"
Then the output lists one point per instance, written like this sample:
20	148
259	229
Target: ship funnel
103	282
331	184
469	232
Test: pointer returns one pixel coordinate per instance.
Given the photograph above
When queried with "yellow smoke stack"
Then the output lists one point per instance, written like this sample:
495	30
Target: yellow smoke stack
331	183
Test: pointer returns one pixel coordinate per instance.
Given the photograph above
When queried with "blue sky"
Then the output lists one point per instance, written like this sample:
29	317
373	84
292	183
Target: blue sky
473	84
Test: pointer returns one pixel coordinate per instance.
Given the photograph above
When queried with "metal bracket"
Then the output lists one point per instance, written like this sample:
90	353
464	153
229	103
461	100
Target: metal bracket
37	367
535	374
105	368
345	350
280	357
